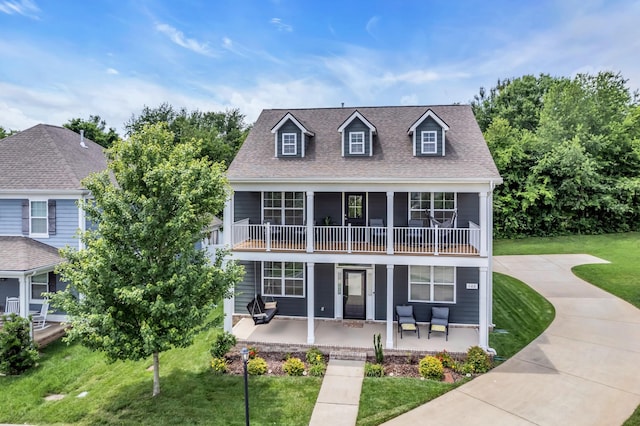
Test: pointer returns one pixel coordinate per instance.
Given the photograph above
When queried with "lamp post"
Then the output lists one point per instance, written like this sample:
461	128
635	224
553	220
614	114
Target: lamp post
245	359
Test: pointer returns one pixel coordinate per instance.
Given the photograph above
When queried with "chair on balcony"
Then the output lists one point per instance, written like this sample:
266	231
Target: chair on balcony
439	321
446	225
378	231
406	320
415	236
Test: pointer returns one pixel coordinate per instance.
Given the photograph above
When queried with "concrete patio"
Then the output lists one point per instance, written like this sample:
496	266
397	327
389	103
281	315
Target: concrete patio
350	335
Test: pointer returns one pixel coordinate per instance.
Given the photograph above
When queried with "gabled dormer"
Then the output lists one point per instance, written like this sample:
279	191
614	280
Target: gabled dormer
428	135
357	136
290	137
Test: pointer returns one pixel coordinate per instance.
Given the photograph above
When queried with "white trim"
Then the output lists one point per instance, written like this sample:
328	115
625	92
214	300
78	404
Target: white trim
356	114
428	113
289	116
44	234
352	143
31	284
288	144
431	283
433	133
283	278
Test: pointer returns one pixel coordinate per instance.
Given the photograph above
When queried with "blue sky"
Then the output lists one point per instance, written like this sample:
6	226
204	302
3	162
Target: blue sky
63	59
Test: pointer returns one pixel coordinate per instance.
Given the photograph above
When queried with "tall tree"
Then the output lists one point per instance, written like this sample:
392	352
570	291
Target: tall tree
145	286
4	132
95	128
222	132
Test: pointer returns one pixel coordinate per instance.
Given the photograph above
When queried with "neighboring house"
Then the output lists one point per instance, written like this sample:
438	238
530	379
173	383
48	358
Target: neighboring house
332	215
40	173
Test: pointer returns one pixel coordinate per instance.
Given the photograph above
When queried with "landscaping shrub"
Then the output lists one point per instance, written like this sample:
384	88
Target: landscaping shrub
253	352
479	359
257	366
18	353
219	365
373	370
293	367
430	367
317	369
446	359
222	344
314	356
377	346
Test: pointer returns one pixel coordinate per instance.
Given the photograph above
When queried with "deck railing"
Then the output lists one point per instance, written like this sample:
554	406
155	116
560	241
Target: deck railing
356	239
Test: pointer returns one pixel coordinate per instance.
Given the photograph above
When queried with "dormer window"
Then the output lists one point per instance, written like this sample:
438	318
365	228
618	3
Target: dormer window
289	144
357	136
291	137
356	143
428	135
429	142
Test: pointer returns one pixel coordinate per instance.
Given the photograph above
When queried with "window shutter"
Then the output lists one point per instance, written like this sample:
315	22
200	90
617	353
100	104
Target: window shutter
52	217
25	217
52	283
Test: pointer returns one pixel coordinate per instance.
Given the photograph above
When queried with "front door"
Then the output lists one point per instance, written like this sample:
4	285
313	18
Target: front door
355	208
354	294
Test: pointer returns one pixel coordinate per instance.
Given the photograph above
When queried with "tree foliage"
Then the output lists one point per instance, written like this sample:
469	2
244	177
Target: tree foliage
568	151
4	132
18	352
145	286
95	128
222	132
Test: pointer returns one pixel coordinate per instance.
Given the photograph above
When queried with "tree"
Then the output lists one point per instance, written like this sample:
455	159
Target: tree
95	128
145	286
222	132
4	133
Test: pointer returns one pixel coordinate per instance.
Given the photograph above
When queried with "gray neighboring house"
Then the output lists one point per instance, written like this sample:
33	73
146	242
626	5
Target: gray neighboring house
40	173
345	213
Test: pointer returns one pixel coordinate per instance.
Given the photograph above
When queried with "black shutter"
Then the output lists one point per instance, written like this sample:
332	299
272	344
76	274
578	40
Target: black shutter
52	283
25	217
52	217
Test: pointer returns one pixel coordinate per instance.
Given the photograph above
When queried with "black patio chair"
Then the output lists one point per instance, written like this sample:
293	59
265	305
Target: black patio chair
406	320
439	321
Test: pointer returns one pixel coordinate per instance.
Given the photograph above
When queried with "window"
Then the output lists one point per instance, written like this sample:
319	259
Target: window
429	142
432	284
439	205
39	285
356	143
283	279
38	218
283	208
289	144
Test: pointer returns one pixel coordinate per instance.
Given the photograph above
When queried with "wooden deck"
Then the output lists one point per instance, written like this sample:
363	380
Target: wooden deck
51	333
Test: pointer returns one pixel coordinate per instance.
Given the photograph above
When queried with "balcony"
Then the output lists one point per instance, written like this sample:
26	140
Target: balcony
356	239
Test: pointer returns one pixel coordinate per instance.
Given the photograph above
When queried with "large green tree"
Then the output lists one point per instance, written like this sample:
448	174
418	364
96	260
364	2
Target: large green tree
4	132
95	128
221	132
144	285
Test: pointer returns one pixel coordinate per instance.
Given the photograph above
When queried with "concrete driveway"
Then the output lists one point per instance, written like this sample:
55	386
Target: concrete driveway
583	370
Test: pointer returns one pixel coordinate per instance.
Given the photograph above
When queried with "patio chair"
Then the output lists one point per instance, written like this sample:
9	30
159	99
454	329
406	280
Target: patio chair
260	313
439	321
378	231
12	306
406	320
40	320
415	236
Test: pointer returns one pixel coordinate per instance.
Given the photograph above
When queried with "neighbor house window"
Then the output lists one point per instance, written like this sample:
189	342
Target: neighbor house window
432	284
429	142
283	208
356	143
283	279
38	218
439	205
289	144
39	286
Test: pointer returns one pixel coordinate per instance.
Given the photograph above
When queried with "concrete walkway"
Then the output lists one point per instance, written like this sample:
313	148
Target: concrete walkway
339	396
583	370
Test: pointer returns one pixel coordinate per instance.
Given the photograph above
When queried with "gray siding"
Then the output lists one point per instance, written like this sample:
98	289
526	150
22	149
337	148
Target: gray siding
467	306
290	127
468	209
66	225
327	204
324	286
429	124
381	292
244	290
10	217
8	288
358	126
247	205
400	209
378	206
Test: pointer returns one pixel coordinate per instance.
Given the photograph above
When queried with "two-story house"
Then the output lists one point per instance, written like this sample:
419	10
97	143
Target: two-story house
40	173
345	213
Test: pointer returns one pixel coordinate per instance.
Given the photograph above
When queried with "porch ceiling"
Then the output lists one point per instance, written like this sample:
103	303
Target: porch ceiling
25	254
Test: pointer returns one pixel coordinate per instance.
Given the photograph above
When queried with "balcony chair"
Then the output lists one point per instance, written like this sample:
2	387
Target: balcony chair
40	319
415	236
406	320
378	231
439	321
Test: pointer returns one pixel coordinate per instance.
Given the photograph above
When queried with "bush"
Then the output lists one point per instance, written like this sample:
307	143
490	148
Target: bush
18	353
430	367
222	344
253	352
373	370
219	365
478	359
314	356
293	367
446	359
257	366
317	369
464	368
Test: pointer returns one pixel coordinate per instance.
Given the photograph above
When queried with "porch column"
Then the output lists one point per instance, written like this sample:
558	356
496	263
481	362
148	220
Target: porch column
389	343
490	253
310	221
390	222
483	323
484	223
227	220
227	306
310	303
23	295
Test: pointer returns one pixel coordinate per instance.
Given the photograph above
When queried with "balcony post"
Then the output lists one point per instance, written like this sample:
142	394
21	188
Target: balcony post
348	238
483	320
310	222
484	223
310	303
390	235
389	340
267	236
227	219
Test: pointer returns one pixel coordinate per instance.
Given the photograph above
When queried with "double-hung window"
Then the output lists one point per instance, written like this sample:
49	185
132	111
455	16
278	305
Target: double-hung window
285	279
283	208
432	284
439	205
289	144
429	142
39	286
356	143
38	218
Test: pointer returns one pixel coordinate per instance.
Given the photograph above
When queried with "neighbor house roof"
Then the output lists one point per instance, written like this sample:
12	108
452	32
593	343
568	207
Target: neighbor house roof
47	157
25	254
467	155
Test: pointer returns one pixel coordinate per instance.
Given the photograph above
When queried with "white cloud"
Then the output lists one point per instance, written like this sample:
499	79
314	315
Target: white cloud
179	38
281	26
21	7
112	71
411	99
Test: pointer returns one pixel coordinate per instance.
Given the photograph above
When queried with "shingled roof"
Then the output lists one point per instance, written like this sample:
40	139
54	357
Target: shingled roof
47	157
467	155
25	254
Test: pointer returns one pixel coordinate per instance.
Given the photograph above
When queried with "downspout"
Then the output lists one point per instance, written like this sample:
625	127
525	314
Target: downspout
492	186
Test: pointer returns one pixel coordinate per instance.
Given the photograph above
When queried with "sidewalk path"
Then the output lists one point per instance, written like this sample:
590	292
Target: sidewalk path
583	370
339	396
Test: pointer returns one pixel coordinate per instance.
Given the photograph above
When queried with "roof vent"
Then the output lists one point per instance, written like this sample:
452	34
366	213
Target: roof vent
82	144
